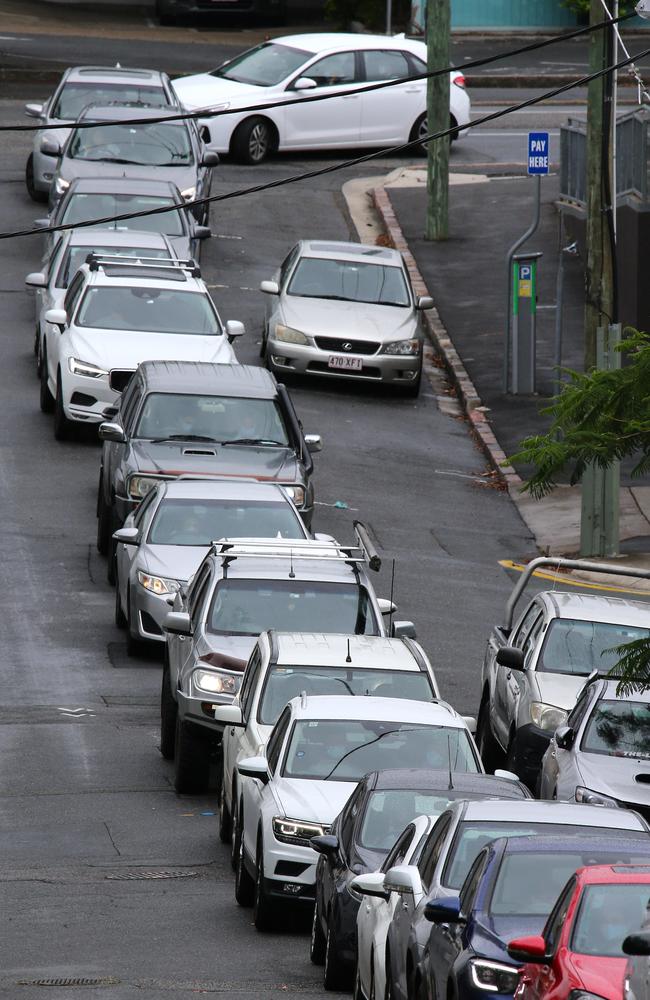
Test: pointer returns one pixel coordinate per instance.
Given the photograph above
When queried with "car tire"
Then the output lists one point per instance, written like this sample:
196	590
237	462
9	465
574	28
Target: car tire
225	819
336	974
46	401
244	884
263	906
120	617
252	141
420	129
62	425
111	550
317	941
32	191
236	833
103	525
168	716
490	751
134	645
37	349
191	762
412	389
263	342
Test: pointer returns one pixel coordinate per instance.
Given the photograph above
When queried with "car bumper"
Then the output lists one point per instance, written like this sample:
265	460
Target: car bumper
85	399
44	168
149	613
198	710
530	745
290	871
388	369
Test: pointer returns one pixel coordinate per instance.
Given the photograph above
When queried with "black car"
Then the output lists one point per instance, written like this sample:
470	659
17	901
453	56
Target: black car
382	805
184	418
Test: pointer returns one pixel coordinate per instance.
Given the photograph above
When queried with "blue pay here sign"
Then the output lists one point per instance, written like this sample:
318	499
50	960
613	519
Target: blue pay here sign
538	152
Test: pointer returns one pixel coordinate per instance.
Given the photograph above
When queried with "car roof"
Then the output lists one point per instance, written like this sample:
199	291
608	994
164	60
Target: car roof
325	41
359	252
589	607
119	112
534	811
246	381
594	874
123	238
371	652
286	562
110	74
125	185
221	489
542	844
426	778
335	707
158	275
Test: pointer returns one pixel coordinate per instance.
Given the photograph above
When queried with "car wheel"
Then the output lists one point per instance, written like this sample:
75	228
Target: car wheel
420	130
244	884
32	191
336	975
120	617
318	941
252	141
168	716
191	761
412	389
61	422
37	349
134	645
489	749
264	342
46	402
263	906
111	549
225	819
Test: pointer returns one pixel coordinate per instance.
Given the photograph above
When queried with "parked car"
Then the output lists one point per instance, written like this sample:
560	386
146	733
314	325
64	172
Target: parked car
116	314
199	419
169	11
319	749
80	86
331	65
602	754
242	588
533	672
95	198
345	309
161	150
164	541
511	889
580	952
284	664
361	836
451	848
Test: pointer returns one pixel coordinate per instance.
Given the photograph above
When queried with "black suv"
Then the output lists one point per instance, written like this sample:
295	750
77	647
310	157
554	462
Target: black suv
183	418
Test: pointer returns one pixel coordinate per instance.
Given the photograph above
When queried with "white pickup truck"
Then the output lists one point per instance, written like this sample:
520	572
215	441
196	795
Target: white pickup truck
533	669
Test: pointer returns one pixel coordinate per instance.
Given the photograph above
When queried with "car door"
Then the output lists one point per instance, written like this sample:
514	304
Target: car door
178	646
501	721
46	297
446	941
334	868
388	114
54	334
113	452
330	123
259	802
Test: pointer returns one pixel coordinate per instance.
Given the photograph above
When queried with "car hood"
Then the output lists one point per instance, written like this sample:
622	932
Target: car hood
315	801
560	690
490	934
327	318
203	90
178	562
182	176
615	776
177	458
598	975
239	647
126	349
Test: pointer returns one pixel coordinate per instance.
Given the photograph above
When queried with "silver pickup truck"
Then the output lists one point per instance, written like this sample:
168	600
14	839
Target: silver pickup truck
533	669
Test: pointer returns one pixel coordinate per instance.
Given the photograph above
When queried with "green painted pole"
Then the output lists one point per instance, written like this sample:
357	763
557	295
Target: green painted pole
438	29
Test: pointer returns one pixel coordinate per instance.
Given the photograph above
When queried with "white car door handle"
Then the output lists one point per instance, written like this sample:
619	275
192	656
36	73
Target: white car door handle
351	97
413	90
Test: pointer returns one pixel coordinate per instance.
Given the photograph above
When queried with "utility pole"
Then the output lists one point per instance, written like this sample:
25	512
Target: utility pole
438	29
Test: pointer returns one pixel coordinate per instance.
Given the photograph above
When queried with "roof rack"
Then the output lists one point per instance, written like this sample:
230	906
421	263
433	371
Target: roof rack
272	548
95	261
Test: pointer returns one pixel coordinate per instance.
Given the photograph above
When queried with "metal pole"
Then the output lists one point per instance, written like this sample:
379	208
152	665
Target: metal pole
389	16
559	307
513	250
614	113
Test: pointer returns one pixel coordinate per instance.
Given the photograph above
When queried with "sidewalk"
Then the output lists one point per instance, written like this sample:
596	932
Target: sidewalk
466	276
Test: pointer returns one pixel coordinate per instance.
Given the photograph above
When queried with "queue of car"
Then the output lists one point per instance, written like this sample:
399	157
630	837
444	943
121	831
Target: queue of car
349	790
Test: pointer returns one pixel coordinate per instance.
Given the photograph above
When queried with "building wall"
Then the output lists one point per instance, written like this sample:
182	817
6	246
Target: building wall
511	14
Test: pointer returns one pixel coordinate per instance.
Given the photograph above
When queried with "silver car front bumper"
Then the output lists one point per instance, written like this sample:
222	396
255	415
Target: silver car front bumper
390	369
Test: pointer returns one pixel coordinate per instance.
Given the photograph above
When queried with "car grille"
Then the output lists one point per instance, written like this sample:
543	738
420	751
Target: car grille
322	366
120	378
335	344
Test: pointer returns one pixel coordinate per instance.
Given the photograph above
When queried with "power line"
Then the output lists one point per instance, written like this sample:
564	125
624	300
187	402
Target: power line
207	112
332	168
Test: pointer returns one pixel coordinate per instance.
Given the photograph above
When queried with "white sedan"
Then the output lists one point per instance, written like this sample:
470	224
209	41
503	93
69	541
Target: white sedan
302	66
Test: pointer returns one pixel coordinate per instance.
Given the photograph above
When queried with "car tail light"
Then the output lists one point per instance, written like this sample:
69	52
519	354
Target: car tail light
460	80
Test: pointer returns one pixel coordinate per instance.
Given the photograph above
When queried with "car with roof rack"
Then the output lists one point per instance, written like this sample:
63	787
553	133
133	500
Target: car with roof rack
284	664
242	588
115	314
78	87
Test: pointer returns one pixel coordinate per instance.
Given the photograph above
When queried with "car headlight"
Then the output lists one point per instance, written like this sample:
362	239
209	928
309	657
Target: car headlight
494	977
216	682
297	831
139	486
84	368
403	347
297	494
547	716
189	193
61	185
289	336
591	798
158	585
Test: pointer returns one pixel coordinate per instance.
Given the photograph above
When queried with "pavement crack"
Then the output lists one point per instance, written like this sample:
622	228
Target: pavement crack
110	837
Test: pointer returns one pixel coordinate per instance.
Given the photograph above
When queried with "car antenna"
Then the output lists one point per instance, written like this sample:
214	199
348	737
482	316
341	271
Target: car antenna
392	591
451	780
292	574
348	658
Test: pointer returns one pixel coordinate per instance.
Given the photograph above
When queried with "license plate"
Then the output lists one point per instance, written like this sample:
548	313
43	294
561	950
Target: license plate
341	361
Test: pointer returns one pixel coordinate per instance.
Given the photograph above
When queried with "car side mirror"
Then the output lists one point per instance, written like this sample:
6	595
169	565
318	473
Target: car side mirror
529	949
177	623
444	911
254	767
325	844
403	630
385	606
202	233
36	280
210	158
40	223
35	110
637	944
305	83
50	147
510	657
507	775
112	432
424	302
229	715
470	722
270	287
314	442
57	317
127	536
404	879
564	737
234	329
370	884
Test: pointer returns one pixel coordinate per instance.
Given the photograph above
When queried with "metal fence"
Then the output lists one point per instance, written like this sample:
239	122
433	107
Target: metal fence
632	158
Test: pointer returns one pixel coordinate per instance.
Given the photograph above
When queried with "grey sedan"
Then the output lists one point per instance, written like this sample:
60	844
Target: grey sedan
345	309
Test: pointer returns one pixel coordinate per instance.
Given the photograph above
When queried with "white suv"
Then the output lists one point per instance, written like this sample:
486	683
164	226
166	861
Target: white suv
116	314
284	664
318	750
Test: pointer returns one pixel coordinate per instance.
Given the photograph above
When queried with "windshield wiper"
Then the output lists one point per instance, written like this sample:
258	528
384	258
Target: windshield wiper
114	159
389	732
184	437
270	442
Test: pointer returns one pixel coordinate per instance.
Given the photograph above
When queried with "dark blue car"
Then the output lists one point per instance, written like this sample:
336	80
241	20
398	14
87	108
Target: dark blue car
509	892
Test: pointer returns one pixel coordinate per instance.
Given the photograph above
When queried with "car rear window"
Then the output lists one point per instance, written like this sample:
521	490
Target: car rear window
82	207
199	522
74	97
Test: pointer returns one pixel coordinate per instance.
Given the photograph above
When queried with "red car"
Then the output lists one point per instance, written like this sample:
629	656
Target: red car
579	953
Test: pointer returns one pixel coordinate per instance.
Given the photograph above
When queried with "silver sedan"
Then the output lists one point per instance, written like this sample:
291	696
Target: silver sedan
344	310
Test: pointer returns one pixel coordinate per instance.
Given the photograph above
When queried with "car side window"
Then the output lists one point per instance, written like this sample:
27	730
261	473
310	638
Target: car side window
431	851
249	682
197	592
130	406
525	625
349	819
333	70
470	885
72	295
385	64
579	711
555	922
276	739
531	639
144	508
399	849
287	264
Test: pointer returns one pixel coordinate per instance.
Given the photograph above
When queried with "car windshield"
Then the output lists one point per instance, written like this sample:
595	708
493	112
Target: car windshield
606	915
322	278
578	647
388	812
264	66
619	729
248	607
530	883
218	418
346	749
85	207
161	144
199	522
74	97
471	836
284	683
74	257
148	310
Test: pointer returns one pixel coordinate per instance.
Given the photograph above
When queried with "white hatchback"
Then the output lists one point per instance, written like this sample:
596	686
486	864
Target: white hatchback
335	65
